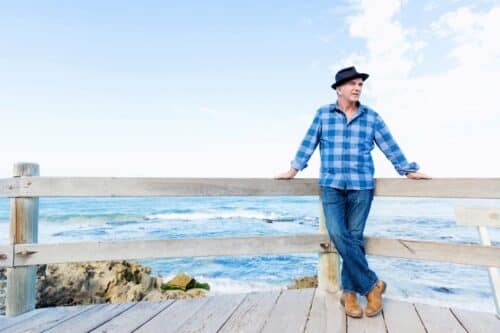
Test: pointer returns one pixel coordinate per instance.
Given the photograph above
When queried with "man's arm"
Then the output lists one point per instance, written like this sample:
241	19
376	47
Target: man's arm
391	150
306	149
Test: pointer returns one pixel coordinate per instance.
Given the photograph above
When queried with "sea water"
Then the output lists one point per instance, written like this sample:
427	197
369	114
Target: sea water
92	219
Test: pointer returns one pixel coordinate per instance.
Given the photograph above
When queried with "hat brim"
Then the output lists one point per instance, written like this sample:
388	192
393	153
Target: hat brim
362	76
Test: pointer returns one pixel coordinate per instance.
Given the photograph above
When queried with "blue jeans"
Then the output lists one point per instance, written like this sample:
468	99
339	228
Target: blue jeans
346	212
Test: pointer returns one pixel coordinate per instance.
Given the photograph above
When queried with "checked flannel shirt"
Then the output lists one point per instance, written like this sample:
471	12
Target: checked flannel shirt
345	147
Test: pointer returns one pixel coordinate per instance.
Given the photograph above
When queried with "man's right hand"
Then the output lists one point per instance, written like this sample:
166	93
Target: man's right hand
287	175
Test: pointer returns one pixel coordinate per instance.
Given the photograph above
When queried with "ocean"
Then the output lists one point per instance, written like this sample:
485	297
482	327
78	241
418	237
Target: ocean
92	219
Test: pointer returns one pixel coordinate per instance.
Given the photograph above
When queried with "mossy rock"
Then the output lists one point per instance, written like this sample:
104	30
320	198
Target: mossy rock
201	285
169	287
182	281
192	285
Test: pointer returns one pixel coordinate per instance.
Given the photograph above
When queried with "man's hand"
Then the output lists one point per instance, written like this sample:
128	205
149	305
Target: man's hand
417	175
287	175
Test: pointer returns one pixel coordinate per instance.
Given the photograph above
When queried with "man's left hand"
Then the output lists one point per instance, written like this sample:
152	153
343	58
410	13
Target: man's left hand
417	175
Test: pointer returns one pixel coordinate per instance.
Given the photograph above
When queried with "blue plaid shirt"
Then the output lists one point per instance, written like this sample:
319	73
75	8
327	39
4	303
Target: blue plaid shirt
345	147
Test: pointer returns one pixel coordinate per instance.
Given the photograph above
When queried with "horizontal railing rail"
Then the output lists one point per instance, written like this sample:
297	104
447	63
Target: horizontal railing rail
25	187
37	254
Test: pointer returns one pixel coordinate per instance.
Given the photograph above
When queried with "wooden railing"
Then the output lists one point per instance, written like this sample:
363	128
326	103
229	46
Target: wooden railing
22	253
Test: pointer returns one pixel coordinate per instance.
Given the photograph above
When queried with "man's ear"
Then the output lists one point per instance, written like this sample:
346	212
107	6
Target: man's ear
339	91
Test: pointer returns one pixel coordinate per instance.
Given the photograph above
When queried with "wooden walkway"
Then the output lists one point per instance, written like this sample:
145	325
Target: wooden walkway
301	310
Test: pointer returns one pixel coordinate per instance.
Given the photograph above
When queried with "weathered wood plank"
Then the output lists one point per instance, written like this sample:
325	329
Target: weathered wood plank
91	319
477	322
49	319
481	188
6	255
211	316
109	187
478	216
366	324
7	322
472	254
173	317
251	315
168	248
150	187
134	317
492	271
290	312
458	253
196	315
438	319
401	317
326	315
23	228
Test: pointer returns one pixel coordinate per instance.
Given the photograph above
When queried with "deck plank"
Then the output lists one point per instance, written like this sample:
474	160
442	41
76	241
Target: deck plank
299	310
51	318
170	319
438	319
326	314
401	317
290	312
366	324
134	317
91	319
478	322
251	315
211	316
7	321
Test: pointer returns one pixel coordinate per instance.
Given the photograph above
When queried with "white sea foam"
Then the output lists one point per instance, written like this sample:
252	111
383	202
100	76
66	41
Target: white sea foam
220	286
210	215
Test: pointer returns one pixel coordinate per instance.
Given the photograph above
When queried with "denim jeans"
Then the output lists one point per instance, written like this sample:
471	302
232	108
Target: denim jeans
346	212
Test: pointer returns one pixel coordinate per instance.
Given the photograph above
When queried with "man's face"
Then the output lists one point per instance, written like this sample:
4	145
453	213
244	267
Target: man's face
351	90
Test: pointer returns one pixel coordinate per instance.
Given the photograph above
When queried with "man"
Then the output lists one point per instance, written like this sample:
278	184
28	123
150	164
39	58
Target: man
346	132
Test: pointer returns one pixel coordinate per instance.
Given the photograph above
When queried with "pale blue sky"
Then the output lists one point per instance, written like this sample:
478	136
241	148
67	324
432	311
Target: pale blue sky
228	88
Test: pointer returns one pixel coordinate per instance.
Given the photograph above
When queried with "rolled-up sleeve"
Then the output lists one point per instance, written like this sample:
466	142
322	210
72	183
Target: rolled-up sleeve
309	144
390	148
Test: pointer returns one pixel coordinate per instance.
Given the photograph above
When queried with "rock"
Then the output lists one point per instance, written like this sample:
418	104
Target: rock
181	281
304	282
103	282
197	292
176	294
155	295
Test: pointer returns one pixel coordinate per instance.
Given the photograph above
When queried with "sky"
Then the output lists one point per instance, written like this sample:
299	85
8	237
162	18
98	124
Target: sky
229	88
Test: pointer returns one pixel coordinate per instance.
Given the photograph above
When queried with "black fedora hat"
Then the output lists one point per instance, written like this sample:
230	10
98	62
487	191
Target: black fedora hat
347	74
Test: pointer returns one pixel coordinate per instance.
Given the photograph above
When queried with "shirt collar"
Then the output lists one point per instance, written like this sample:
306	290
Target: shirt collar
360	106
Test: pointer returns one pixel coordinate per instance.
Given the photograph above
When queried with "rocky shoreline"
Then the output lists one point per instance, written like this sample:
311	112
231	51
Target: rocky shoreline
105	282
114	282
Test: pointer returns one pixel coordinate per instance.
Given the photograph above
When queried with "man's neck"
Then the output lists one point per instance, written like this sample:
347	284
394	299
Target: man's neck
347	106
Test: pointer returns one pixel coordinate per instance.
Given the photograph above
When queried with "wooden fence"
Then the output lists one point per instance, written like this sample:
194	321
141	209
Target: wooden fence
22	254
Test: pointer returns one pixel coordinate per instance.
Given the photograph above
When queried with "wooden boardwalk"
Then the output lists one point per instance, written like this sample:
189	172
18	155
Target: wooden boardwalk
300	310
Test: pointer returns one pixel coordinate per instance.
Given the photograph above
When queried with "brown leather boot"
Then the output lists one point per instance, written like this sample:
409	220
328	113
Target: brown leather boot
349	301
374	298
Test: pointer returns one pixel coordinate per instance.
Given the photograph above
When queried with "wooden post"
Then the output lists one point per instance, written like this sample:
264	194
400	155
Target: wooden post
21	281
328	263
492	271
